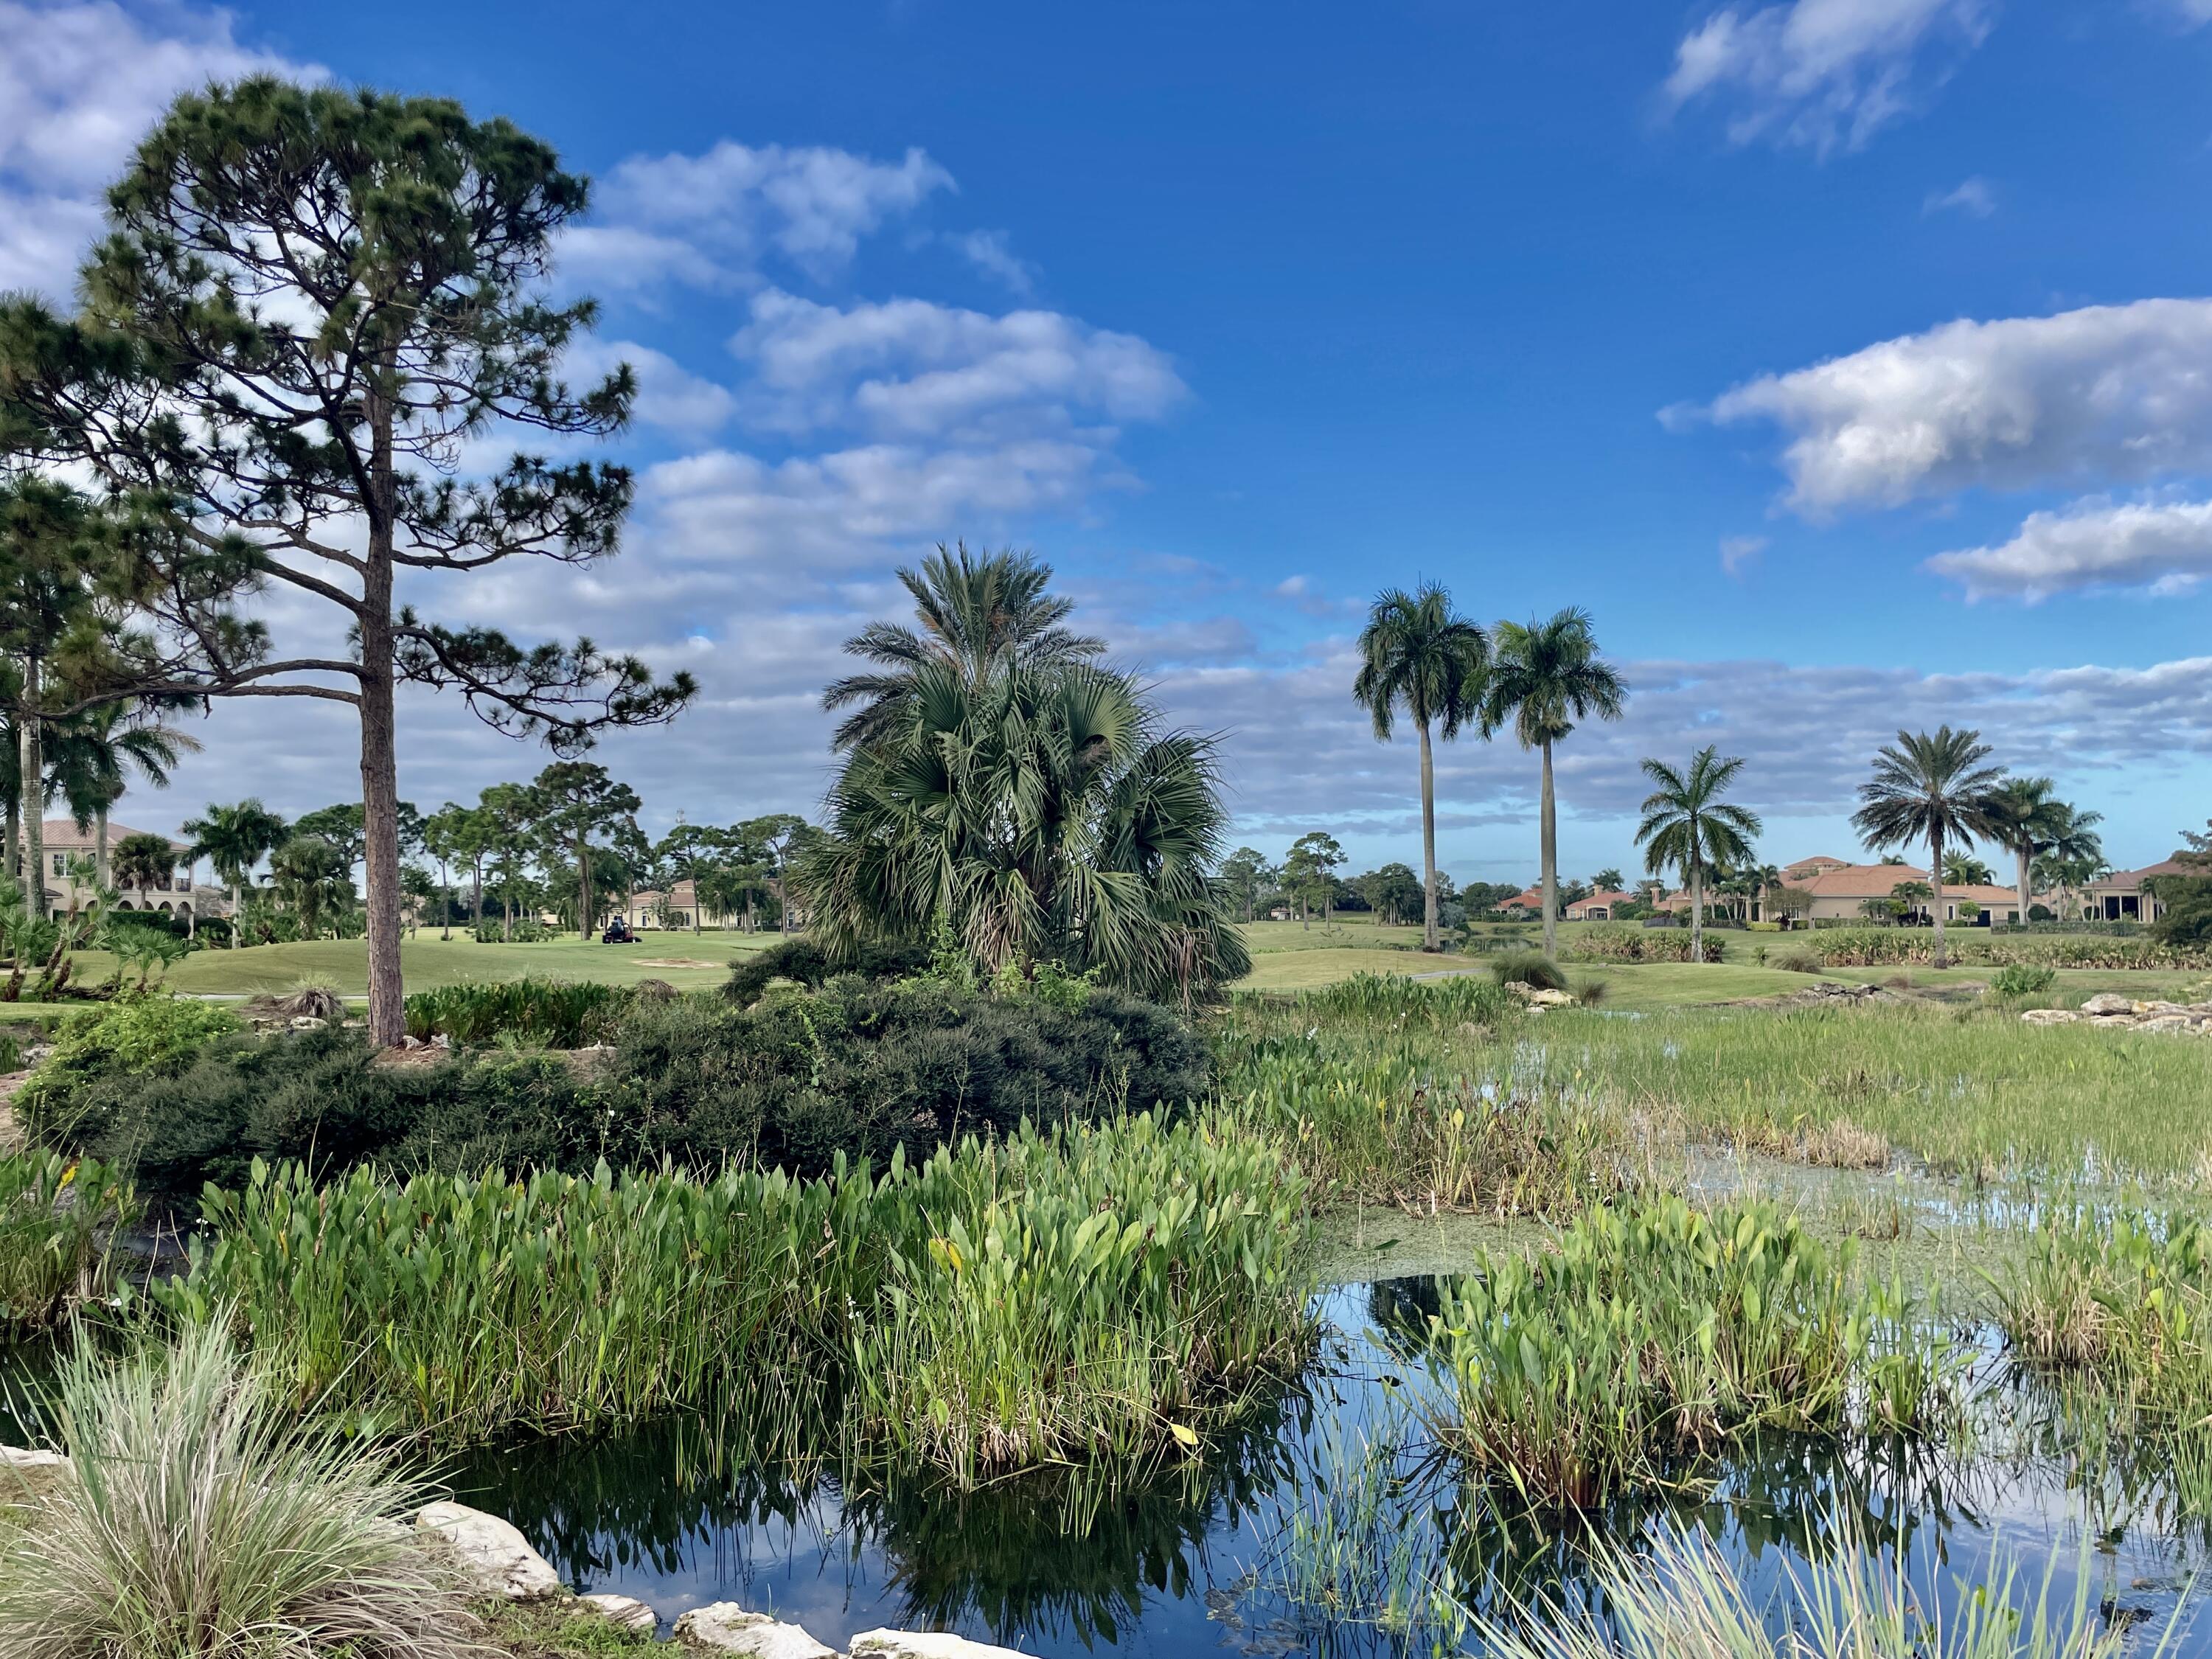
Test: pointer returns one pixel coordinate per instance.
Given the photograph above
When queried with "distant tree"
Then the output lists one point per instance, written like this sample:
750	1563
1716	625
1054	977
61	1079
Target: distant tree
577	804
1415	654
689	852
1245	875
1789	900
1907	897
977	614
234	839
144	861
1933	788
446	834
92	755
1688	826
2025	813
1881	909
341	826
1963	869
1393	893
2071	857
770	844
1309	871
1608	880
1543	677
311	878
2187	899
506	828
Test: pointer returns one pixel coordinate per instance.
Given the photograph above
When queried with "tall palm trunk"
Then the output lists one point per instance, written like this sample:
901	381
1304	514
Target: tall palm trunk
1697	910
2021	853
1936	881
100	847
237	913
1431	940
1548	832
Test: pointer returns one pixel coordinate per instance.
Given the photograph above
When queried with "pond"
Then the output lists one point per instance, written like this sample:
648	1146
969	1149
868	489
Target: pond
1289	1541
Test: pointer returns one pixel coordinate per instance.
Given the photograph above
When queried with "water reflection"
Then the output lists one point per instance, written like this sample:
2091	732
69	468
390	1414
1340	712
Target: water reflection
1201	1558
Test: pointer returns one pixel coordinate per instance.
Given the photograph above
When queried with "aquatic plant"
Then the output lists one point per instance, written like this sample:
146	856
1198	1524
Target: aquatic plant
545	1012
1657	1333
58	1221
196	1515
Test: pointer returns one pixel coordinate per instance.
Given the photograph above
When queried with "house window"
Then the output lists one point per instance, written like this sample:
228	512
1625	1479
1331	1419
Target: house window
61	864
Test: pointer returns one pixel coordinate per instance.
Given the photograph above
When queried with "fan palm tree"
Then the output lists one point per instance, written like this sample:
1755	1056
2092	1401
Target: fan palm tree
1544	677
1043	814
1416	653
1933	789
313	878
1687	825
234	839
978	614
89	759
2025	813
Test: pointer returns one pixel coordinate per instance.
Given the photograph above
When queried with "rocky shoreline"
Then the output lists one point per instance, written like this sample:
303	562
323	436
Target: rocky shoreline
2124	1014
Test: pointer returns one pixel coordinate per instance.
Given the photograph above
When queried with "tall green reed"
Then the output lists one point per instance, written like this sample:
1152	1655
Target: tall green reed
59	1222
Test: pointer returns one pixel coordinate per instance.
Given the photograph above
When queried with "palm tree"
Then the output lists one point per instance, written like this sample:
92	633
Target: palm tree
1416	653
1043	814
89	757
2025	813
1962	869
1686	824
1933	788
234	839
2073	854
978	614
144	862
1545	676
313	878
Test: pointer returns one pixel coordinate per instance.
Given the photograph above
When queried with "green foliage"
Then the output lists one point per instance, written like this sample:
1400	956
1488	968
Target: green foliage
1606	941
1530	968
2019	979
526	930
1096	1293
805	961
1657	1334
58	1221
2186	924
198	1519
128	1037
544	1012
1887	947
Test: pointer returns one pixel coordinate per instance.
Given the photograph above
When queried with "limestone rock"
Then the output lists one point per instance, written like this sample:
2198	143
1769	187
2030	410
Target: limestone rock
625	1610
725	1628
1550	998
924	1644
497	1556
18	1457
2050	1017
2107	1003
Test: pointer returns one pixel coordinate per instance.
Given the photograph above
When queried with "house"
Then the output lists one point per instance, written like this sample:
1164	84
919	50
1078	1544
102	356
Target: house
1840	891
179	893
1530	901
1598	907
2120	896
644	909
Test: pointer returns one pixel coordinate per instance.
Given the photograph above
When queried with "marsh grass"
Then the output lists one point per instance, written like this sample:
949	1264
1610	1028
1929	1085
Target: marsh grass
1656	1335
59	1218
544	1013
1680	1598
197	1516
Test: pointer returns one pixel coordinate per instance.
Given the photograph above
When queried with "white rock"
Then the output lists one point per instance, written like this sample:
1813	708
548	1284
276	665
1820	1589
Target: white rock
2050	1017
725	1628
1550	998
625	1610
18	1457
2107	1003
497	1556
924	1644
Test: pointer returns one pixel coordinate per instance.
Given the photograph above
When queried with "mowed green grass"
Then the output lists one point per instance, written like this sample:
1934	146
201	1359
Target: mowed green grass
429	961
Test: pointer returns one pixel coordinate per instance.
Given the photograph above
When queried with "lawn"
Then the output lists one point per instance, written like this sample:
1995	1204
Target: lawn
428	960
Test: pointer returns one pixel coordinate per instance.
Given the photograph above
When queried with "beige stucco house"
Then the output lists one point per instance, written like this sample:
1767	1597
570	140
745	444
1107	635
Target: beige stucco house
182	894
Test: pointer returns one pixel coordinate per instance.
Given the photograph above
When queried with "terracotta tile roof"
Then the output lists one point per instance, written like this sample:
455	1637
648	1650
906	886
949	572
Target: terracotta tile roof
63	832
1608	898
2124	878
1860	881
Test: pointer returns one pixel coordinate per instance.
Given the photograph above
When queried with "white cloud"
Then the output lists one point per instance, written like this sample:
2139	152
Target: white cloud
989	251
1822	73
711	221
80	84
1738	553
669	396
2104	393
914	367
1973	197
2189	14
2165	546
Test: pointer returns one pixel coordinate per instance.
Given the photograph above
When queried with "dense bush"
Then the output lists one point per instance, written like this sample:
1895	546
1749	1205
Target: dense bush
803	962
1896	947
855	1069
548	1012
2018	979
524	930
2187	923
129	1038
1616	942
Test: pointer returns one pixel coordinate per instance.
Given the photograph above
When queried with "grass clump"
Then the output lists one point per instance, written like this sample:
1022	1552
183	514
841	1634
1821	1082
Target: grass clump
2020	979
58	1221
548	1013
1658	1334
2124	1297
1530	968
197	1517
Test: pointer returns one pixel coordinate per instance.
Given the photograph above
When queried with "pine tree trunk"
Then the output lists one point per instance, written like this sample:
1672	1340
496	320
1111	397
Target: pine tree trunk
583	887
33	766
1935	882
1431	938
1548	833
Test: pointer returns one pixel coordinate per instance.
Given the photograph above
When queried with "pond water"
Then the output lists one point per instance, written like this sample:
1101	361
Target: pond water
677	1515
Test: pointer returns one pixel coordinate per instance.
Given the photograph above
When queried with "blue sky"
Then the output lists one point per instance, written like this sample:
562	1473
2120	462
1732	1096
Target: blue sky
1722	321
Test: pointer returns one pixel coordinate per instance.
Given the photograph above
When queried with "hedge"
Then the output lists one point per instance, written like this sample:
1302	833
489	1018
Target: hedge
1603	941
1898	947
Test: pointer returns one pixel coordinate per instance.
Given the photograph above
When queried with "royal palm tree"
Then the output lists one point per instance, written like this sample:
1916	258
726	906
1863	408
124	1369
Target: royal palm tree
978	614
1043	814
144	861
1688	826
234	839
2072	856
1544	677
89	759
1415	654
2027	812
1933	789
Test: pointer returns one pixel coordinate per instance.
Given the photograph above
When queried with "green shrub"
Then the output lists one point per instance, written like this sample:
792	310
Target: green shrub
58	1221
803	962
2187	923
1530	968
1798	962
1605	941
2017	979
1896	947
524	930
546	1012
197	1519
130	1037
